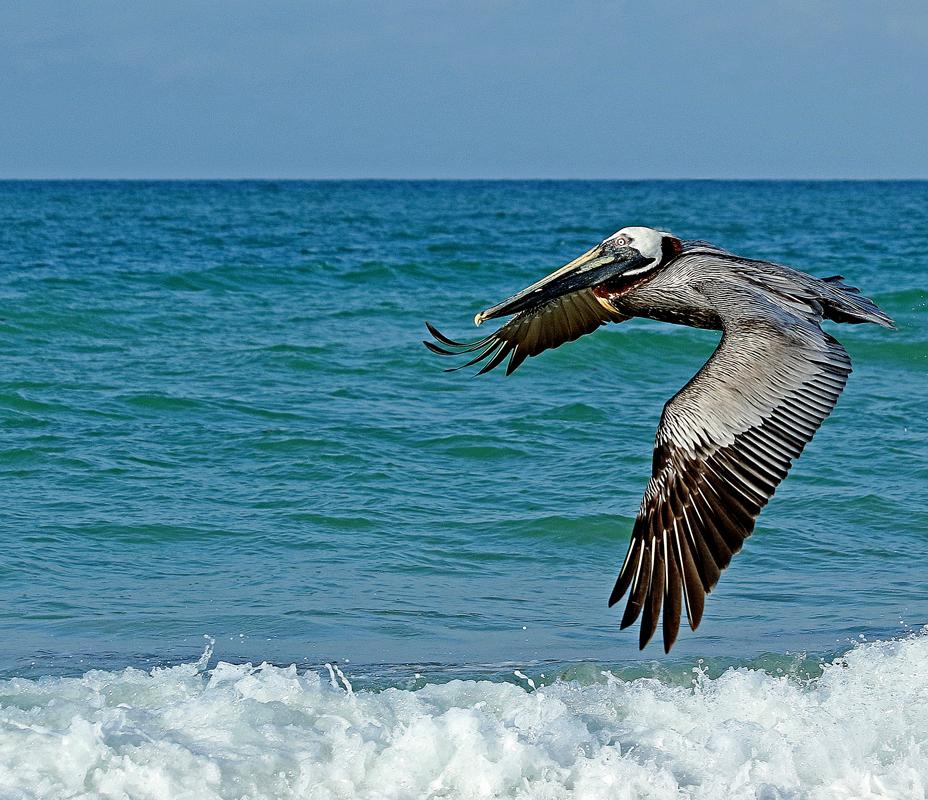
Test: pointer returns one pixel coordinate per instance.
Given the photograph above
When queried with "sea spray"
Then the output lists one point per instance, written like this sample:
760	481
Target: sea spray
860	729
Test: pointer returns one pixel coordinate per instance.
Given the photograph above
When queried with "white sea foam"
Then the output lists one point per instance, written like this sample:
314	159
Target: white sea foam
237	731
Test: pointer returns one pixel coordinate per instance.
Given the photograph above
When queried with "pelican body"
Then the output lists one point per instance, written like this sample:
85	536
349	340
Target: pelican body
728	438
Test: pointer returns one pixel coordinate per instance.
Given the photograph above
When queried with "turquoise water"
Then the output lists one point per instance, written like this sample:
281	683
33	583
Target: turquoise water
219	420
224	444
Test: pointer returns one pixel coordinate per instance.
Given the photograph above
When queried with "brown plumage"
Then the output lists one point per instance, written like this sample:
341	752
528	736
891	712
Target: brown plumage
729	437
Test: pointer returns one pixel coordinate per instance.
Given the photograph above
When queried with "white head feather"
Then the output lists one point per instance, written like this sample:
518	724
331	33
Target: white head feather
646	241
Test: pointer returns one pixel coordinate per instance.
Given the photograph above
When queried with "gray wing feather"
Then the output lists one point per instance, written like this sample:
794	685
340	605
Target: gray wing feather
724	443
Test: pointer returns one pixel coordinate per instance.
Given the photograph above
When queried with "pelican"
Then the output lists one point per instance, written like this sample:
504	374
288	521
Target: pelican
728	438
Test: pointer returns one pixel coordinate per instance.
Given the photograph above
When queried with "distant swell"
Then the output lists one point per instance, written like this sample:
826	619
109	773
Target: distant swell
858	730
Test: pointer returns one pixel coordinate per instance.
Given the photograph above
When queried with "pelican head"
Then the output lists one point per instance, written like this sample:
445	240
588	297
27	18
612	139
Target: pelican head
628	252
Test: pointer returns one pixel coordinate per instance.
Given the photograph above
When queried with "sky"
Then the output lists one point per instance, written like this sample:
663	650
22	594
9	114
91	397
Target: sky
466	89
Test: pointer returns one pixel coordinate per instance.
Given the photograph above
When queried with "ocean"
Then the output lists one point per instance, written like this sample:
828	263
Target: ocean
257	543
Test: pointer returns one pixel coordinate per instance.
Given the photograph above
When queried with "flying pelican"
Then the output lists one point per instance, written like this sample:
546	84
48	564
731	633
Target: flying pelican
727	438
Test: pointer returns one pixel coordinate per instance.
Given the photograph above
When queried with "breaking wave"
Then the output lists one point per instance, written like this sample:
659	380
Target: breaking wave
859	729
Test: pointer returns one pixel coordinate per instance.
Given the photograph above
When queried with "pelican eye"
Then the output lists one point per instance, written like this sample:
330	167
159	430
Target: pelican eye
621	241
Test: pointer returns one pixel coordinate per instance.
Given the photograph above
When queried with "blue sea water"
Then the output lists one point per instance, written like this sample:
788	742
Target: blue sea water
219	421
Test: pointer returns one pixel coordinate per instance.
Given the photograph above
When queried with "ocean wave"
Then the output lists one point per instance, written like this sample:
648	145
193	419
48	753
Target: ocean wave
859	729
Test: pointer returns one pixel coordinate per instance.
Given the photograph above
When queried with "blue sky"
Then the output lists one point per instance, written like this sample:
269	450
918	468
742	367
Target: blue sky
464	90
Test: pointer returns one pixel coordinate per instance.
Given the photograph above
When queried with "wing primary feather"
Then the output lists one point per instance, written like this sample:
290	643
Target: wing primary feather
721	552
493	347
652	606
436	349
671	623
497	358
692	584
709	571
625	574
639	588
450	342
519	354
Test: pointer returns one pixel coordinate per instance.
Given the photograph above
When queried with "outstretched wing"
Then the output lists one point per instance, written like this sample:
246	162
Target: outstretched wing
724	443
530	332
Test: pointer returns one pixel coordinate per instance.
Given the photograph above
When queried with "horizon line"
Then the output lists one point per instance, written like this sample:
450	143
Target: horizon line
453	180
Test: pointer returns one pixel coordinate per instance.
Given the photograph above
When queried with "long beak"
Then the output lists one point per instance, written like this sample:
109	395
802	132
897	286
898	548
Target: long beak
593	267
